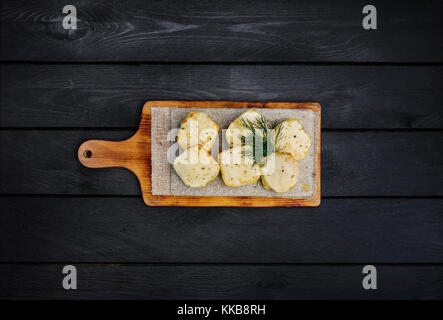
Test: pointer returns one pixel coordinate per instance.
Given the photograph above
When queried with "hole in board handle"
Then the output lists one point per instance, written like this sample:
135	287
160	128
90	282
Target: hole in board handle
87	153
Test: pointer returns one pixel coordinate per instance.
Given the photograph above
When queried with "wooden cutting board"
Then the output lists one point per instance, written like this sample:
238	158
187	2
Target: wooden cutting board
134	154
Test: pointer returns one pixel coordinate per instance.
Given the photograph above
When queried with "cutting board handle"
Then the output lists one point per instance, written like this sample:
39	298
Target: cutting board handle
106	154
132	154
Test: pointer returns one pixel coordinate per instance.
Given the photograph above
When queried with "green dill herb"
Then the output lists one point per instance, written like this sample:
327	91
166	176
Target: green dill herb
258	131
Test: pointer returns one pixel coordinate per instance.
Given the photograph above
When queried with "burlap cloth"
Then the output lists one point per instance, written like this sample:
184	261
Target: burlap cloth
166	182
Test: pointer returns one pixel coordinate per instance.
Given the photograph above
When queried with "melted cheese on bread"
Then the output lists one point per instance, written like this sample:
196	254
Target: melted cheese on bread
236	169
197	129
236	129
196	167
294	139
285	174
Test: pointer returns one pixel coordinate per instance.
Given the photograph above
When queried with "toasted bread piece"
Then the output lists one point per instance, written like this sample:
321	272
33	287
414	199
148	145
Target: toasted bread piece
236	129
236	169
196	167
294	139
197	129
285	174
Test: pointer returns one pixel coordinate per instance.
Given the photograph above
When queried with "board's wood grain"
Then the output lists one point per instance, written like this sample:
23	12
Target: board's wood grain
106	229
224	31
94	95
221	282
354	163
134	154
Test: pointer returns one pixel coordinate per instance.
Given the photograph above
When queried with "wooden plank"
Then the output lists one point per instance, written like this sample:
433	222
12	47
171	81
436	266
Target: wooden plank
220	282
97	229
353	97
355	163
224	31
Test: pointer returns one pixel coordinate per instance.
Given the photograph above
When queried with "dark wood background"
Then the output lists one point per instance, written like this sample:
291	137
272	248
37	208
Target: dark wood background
382	149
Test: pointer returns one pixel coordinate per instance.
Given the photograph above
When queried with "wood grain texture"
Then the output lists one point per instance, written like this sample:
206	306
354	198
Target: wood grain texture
94	95
97	229
134	154
231	30
221	282
354	163
54	211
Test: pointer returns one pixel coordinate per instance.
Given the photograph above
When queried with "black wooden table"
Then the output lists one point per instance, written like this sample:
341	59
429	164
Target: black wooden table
382	149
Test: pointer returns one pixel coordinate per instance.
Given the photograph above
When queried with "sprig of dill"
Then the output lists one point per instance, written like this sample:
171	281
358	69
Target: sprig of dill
259	131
